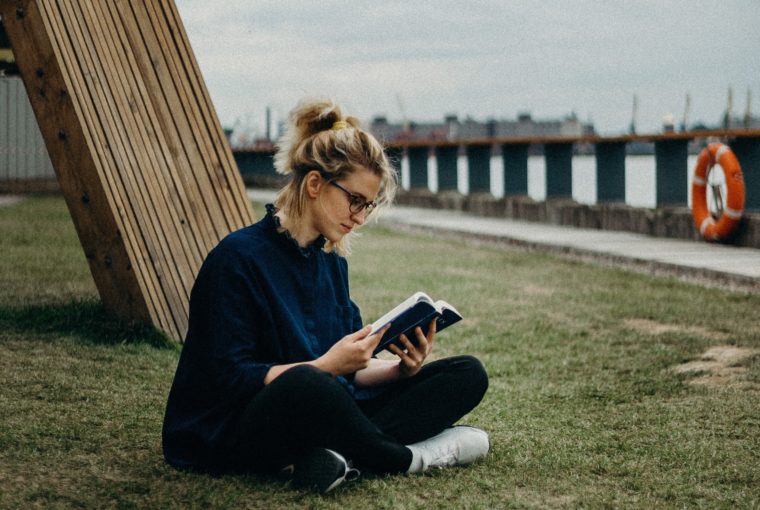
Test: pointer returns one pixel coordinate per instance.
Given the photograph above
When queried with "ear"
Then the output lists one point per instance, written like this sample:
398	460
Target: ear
314	182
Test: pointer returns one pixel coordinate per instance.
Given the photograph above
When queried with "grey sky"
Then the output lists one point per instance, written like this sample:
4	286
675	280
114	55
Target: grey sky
484	58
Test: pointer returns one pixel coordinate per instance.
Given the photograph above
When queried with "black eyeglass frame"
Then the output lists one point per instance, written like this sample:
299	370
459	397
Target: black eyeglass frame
356	204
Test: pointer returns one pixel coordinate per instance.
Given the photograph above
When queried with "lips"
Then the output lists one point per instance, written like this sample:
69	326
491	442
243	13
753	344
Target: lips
346	229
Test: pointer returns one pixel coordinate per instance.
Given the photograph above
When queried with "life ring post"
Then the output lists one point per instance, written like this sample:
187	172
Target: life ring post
721	226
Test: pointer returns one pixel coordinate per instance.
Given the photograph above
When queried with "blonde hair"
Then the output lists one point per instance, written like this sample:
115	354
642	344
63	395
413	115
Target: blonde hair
319	137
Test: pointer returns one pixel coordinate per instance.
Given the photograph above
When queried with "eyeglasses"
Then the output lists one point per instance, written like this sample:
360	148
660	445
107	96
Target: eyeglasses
356	204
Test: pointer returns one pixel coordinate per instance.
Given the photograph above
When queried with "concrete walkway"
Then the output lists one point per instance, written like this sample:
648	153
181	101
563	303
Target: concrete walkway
705	263
711	264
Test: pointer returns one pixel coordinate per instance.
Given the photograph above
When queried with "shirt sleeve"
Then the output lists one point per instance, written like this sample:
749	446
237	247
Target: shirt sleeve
357	317
230	326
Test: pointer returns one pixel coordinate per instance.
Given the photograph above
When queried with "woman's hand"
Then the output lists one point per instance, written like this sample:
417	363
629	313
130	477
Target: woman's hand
413	357
350	353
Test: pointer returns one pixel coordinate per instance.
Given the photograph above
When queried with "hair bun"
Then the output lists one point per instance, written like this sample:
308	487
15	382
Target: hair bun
311	116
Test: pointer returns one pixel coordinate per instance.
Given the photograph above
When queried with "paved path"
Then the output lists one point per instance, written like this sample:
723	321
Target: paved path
707	263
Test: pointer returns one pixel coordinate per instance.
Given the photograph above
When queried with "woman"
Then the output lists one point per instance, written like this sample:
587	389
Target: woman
277	369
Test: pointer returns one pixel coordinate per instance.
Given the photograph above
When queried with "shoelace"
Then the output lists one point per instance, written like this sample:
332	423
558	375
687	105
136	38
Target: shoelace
351	474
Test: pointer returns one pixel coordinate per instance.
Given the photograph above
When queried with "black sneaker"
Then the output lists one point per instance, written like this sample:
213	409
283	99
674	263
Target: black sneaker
322	470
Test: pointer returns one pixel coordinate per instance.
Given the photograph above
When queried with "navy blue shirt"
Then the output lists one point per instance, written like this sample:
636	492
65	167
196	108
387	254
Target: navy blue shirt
259	300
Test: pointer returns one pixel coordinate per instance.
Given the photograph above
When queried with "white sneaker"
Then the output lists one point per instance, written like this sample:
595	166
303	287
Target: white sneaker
322	470
455	446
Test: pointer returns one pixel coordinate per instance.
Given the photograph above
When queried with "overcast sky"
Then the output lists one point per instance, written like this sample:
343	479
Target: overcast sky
486	59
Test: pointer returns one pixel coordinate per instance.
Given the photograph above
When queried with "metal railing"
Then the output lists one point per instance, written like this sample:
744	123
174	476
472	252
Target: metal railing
671	152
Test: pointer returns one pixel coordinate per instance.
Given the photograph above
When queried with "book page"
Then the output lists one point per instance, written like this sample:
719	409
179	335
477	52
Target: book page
441	305
404	305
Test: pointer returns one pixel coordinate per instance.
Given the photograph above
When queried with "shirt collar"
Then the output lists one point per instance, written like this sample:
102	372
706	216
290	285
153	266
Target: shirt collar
273	222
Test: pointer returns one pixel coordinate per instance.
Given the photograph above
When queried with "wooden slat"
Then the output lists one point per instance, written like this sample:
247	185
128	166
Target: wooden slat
132	104
210	121
97	146
147	173
178	188
136	187
197	143
90	205
190	107
176	249
169	106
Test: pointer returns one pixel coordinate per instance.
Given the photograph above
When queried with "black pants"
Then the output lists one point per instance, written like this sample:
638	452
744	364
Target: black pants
305	408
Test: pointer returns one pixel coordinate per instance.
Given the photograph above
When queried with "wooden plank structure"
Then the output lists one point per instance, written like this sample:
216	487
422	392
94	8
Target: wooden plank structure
139	153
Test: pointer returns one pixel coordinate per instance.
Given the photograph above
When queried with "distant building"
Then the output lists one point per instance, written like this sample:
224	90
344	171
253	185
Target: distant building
745	122
468	129
734	122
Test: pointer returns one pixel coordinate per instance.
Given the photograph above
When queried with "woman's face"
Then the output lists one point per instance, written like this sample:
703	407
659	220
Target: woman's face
331	211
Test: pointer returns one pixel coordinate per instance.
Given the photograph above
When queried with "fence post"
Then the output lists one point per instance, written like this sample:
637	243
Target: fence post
265	164
747	151
610	172
515	160
395	155
418	167
559	169
671	170
479	163
258	163
446	160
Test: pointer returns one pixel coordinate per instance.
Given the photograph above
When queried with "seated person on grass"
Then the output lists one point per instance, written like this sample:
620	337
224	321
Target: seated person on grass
277	373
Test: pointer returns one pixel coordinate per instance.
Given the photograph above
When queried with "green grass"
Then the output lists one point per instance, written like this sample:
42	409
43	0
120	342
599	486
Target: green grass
582	408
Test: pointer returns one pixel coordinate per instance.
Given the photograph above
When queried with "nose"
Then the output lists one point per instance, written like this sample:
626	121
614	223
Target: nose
359	217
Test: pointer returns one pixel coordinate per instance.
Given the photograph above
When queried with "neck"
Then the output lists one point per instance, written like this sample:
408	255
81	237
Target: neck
303	233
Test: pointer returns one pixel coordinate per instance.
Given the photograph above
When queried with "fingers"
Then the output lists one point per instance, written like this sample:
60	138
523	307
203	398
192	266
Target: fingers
416	353
411	358
398	351
373	340
432	329
422	341
360	334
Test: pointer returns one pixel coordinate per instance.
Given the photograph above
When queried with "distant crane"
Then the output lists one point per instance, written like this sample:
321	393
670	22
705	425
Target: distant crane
634	114
729	109
686	112
748	110
268	129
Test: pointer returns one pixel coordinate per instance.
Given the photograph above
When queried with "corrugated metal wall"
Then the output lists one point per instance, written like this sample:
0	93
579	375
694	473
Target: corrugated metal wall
23	156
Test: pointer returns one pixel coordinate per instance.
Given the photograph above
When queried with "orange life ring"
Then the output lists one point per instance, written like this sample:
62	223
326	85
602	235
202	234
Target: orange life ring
713	229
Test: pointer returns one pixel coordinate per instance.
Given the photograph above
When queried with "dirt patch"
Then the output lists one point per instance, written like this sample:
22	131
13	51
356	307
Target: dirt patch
658	328
720	366
536	290
9	199
531	498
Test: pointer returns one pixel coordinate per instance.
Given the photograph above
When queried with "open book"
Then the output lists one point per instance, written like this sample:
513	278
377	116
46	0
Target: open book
417	310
